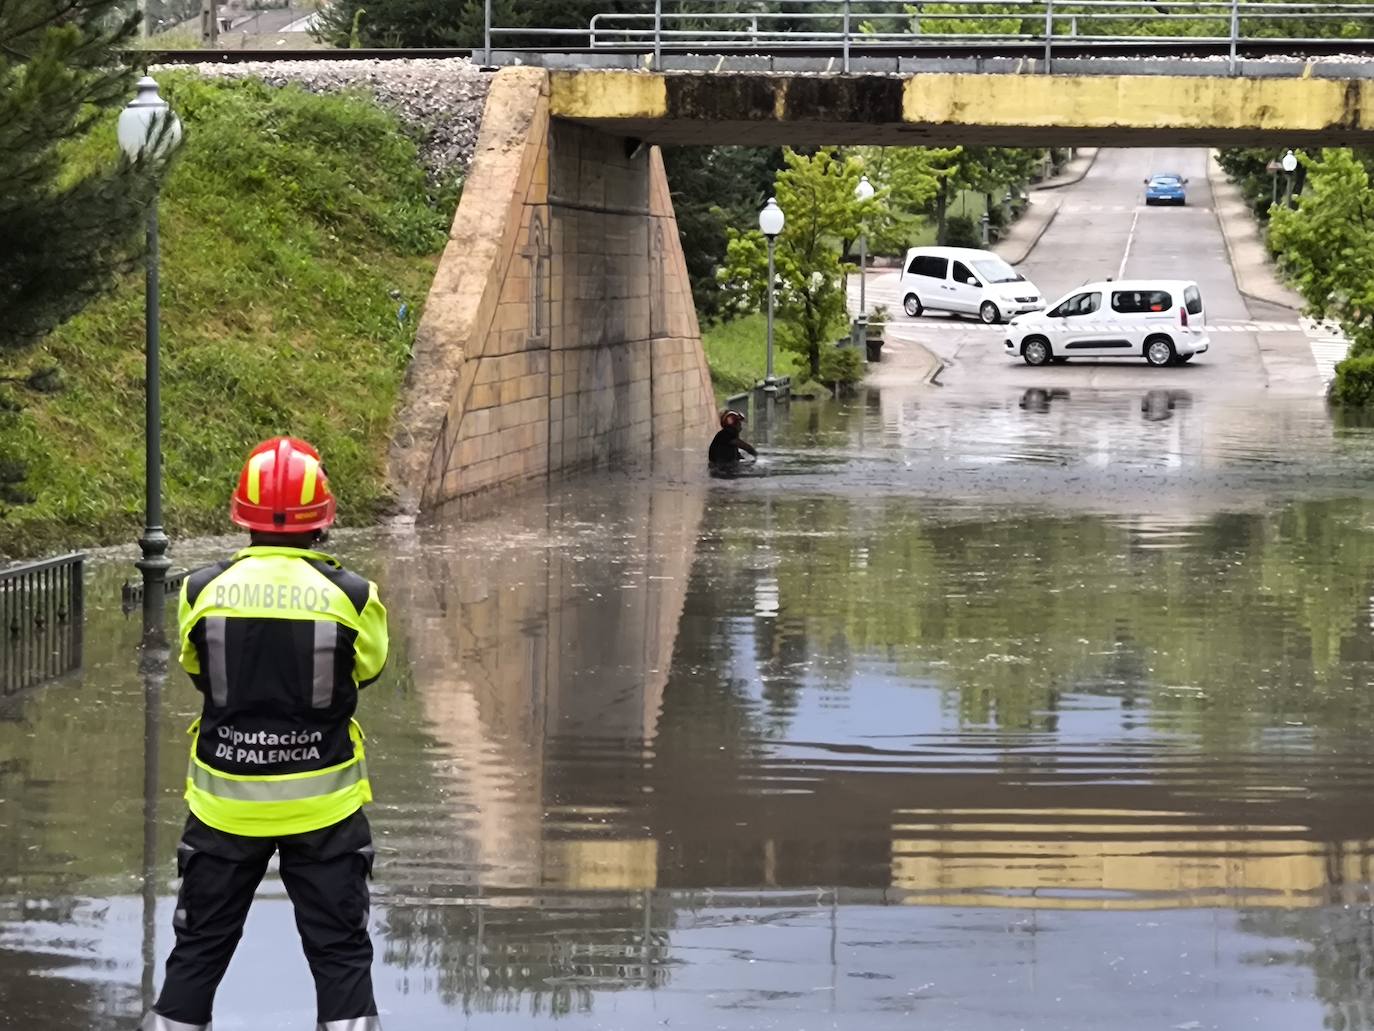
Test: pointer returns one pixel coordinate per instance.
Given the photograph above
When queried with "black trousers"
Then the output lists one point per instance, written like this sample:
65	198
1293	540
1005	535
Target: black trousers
324	872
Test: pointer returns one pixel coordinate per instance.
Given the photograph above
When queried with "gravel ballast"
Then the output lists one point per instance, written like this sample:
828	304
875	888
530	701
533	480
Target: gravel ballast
440	99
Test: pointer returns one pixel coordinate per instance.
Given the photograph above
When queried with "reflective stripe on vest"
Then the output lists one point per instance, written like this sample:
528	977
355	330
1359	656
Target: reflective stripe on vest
274	806
157	1022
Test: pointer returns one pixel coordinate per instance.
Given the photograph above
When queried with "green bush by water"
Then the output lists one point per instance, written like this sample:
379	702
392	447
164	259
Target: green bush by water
841	365
287	224
1354	384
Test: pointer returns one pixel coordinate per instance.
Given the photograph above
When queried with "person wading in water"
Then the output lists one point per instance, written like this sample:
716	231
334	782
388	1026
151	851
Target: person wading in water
728	445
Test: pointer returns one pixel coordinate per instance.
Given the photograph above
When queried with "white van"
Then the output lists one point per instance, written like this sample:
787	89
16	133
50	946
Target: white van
966	282
1160	320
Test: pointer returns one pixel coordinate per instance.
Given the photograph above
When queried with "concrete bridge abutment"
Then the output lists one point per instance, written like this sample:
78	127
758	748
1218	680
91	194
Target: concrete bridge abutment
559	332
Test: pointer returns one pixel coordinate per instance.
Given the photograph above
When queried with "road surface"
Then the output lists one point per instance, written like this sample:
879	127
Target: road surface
1101	229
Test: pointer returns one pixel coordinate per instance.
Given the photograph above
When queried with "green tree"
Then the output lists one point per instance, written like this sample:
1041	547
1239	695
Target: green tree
816	193
1326	244
65	230
991	169
1248	168
164	14
438	23
945	165
959	19
908	179
715	189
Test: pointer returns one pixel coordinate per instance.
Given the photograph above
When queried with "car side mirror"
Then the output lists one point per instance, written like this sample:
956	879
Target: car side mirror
1185	182
1145	181
971	281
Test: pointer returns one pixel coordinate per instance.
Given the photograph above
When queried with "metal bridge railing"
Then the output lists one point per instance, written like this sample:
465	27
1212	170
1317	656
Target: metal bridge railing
842	26
41	612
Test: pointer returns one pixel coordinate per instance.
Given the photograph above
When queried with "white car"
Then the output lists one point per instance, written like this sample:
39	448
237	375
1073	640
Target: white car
1160	320
966	282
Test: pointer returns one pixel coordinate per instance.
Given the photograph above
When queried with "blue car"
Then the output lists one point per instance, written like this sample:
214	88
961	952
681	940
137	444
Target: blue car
1166	188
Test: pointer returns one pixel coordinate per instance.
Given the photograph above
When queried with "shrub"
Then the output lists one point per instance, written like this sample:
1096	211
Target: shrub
841	365
1354	384
961	232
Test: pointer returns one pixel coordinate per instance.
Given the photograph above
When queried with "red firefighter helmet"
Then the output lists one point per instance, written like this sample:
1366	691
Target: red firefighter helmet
283	489
730	415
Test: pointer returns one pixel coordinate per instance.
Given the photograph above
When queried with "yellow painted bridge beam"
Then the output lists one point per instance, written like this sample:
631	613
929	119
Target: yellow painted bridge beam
1025	109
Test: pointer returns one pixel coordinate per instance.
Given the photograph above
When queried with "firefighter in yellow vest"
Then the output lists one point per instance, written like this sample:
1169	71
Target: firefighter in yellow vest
279	640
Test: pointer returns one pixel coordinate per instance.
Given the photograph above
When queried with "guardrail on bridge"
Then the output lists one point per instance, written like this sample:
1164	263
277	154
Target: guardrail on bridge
843	27
41	612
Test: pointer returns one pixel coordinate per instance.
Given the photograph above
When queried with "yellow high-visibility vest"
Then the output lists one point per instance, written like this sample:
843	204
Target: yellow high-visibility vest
273	806
318	633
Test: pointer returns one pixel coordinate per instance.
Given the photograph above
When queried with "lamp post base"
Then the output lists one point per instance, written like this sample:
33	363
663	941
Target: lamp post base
153	565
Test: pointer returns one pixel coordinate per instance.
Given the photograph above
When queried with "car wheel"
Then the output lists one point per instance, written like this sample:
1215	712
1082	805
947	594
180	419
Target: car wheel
989	314
1159	351
1036	351
911	304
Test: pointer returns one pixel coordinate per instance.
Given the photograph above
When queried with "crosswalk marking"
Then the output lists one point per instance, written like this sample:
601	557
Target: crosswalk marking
1119	209
1329	346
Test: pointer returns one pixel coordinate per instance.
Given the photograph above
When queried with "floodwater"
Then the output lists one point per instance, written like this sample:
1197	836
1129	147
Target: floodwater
1042	711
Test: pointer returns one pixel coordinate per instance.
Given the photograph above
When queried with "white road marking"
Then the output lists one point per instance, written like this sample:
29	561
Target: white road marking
1329	346
1130	239
1103	209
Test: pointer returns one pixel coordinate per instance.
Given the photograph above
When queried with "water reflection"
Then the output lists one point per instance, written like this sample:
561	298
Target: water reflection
1038	399
1159	405
815	748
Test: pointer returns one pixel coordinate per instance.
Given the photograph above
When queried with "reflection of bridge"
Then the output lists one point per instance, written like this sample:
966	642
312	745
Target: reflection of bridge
1114	860
587	744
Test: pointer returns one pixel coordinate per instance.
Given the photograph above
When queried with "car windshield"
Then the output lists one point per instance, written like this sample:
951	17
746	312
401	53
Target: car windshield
995	270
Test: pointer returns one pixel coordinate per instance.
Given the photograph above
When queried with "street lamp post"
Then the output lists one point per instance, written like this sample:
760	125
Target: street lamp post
863	193
148	129
1290	165
771	221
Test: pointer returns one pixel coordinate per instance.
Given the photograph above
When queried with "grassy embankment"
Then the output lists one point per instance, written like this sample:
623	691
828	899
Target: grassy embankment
287	223
737	352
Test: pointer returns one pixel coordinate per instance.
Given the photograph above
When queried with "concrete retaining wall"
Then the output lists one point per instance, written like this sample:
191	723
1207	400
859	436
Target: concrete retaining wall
560	331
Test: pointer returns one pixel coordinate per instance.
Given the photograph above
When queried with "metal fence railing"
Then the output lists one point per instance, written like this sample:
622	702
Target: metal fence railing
754	403
41	607
910	26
